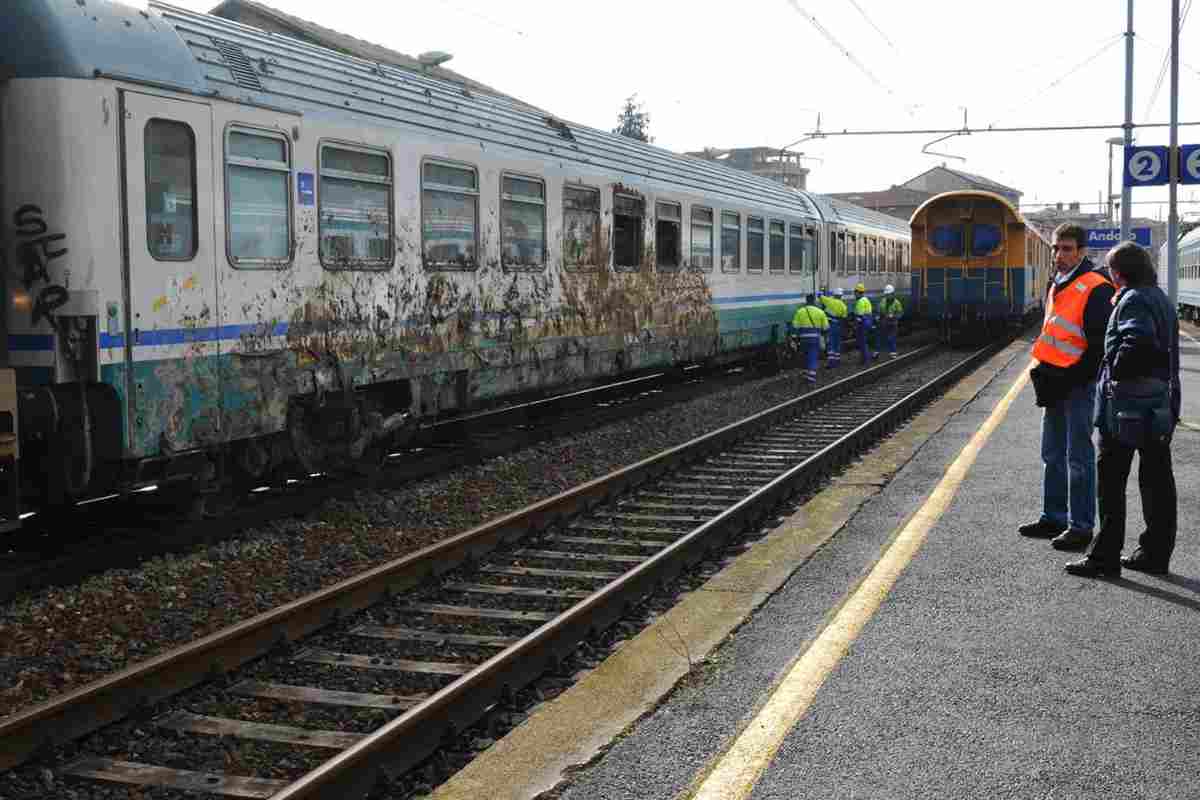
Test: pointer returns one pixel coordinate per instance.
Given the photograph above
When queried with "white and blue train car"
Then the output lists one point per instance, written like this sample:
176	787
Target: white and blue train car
1189	274
227	251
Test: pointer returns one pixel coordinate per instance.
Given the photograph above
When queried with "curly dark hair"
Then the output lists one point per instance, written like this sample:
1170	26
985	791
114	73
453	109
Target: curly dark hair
1069	230
1133	263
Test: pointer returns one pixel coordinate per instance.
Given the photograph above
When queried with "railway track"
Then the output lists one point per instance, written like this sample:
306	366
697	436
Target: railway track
387	665
100	536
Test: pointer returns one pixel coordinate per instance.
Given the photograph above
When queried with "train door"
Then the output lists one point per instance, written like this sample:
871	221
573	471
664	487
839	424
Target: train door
171	343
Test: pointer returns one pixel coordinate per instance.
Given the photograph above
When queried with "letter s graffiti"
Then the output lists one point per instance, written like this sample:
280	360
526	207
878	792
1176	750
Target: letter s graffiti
34	253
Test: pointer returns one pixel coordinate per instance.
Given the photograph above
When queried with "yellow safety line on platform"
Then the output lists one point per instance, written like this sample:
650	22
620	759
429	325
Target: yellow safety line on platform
735	774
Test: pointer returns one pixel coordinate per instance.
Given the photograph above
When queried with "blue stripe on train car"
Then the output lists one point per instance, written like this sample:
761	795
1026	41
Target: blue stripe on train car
32	342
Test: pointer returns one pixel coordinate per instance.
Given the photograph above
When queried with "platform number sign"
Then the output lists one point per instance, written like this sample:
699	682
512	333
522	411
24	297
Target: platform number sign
1146	166
1150	166
1189	163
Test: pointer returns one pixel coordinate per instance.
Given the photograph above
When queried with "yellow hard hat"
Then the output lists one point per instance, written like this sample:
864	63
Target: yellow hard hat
860	287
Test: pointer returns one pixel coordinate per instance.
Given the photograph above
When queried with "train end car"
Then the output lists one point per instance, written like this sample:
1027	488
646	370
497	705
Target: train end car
978	269
1189	275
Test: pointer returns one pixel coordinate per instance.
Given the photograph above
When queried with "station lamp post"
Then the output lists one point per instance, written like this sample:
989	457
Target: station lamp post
1114	141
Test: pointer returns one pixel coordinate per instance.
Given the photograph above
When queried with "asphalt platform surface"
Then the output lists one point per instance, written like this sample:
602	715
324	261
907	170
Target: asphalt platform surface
988	672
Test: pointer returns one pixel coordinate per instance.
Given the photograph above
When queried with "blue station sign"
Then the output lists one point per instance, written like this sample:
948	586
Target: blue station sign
1151	166
1147	166
1106	238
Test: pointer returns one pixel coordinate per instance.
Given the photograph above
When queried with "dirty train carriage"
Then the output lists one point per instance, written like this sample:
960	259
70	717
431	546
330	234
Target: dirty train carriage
864	246
220	238
978	268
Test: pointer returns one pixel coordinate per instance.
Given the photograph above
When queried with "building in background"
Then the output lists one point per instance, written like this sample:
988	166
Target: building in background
904	199
261	16
765	162
1151	233
944	179
898	201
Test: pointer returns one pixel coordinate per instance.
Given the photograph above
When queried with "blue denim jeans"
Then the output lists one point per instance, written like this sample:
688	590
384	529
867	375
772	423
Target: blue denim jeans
1069	459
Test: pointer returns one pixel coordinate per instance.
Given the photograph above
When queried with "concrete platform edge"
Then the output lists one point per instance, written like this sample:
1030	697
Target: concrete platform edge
579	725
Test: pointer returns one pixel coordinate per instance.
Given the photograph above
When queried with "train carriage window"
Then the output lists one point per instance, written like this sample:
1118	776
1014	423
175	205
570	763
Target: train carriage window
581	227
776	243
449	216
796	250
754	244
812	246
946	240
841	253
872	255
170	190
702	239
852	263
258	204
354	217
522	222
731	242
985	239
627	231
668	235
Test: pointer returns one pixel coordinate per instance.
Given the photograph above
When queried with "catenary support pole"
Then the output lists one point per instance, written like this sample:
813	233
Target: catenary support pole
1126	190
1173	218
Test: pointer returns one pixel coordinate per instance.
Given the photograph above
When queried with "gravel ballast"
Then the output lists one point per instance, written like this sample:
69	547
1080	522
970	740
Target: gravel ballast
59	639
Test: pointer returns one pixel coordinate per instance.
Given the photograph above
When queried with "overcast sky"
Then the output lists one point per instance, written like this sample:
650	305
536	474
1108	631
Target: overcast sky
757	72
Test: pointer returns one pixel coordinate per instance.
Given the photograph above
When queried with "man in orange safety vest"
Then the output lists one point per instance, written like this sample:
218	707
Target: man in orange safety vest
1069	350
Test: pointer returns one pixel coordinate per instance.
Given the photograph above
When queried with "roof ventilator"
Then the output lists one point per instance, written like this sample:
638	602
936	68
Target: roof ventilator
235	58
561	127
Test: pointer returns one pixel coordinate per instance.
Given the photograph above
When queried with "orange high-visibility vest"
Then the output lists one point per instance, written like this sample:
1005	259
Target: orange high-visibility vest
1063	340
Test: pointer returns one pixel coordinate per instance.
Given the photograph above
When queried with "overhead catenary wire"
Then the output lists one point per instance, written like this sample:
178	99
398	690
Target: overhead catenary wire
871	22
1162	72
821	134
1108	43
846	52
1182	63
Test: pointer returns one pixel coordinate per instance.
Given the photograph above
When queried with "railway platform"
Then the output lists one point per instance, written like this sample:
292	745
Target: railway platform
896	638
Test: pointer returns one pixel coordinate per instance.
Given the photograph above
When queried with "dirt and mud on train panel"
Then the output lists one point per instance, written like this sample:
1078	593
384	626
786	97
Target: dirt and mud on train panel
173	329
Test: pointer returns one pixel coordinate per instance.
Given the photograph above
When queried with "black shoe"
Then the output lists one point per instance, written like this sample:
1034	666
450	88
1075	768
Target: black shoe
1040	530
1091	568
1071	540
1141	562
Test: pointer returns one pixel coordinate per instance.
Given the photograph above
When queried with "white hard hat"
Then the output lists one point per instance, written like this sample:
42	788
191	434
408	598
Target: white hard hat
838	292
889	289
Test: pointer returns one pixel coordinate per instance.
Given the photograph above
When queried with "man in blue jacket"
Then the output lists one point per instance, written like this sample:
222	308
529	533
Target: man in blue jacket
1141	360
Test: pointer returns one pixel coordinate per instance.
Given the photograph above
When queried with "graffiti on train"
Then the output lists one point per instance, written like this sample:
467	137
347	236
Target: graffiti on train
36	248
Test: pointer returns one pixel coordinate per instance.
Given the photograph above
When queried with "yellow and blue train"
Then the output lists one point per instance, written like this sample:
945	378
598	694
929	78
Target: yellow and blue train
978	268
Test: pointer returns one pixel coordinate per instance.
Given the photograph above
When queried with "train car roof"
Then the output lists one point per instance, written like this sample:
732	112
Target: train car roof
212	56
841	212
87	38
1190	239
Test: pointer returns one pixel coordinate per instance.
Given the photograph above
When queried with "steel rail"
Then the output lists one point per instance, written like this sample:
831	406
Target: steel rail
413	736
135	689
438	445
